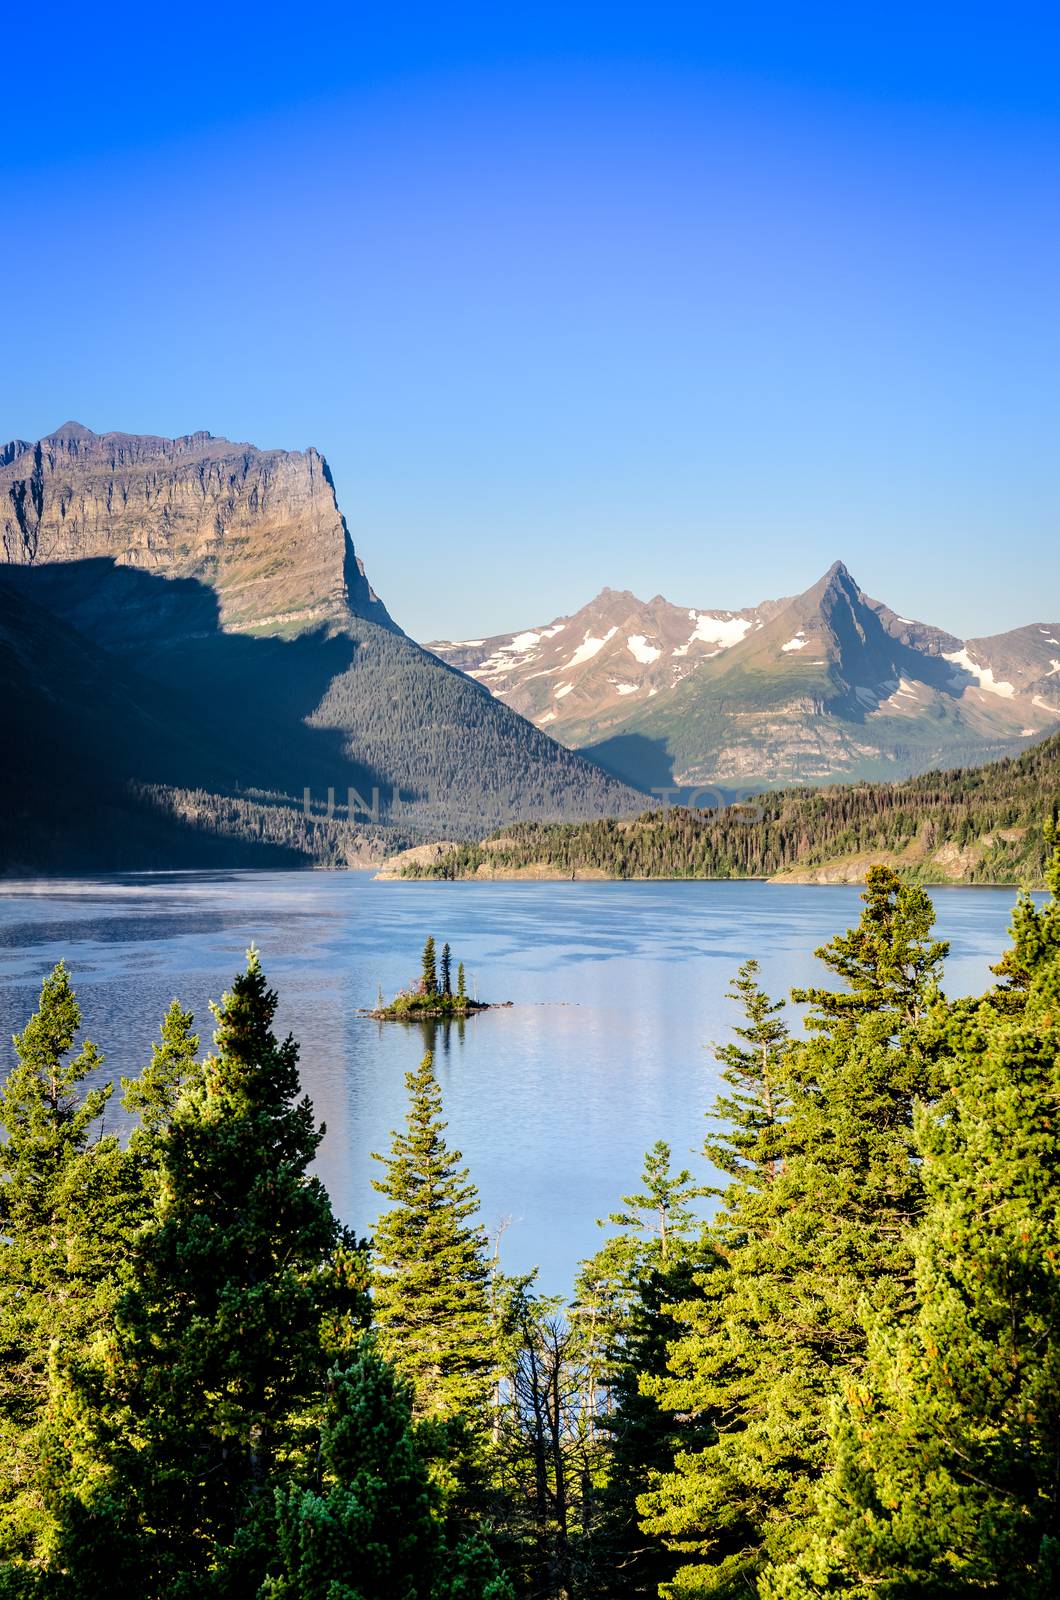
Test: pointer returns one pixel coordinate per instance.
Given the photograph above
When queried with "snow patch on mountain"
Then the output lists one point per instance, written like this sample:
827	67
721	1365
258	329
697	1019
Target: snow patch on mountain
799	642
982	675
721	631
590	647
641	650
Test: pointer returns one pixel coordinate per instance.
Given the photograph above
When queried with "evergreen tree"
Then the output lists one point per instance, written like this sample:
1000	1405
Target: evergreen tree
815	1222
889	962
626	1292
431	1280
218	1350
429	971
447	984
153	1096
65	1222
946	1448
753	1115
461	983
372	1529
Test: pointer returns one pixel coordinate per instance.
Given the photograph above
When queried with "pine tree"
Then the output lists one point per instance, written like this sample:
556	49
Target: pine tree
946	1448
889	962
217	1355
431	1279
447	985
66	1216
153	1096
461	983
429	971
372	1529
815	1223
753	1115
625	1292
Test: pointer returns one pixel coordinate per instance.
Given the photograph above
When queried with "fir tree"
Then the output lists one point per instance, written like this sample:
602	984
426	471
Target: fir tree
815	1222
461	983
447	984
625	1293
753	1115
889	962
218	1347
153	1096
66	1216
429	971
946	1448
372	1529
431	1280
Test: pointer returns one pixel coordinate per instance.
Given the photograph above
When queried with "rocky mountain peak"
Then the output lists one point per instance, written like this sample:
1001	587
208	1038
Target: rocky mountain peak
261	528
72	430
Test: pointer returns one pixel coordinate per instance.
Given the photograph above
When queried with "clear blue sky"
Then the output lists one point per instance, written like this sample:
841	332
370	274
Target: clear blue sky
690	299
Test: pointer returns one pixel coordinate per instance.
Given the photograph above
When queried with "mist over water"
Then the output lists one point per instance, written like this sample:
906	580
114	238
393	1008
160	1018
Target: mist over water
618	991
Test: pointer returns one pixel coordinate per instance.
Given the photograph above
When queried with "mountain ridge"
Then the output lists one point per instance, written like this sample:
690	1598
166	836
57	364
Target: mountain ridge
213	591
817	687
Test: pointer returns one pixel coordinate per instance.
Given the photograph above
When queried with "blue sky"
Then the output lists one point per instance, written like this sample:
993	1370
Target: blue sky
690	299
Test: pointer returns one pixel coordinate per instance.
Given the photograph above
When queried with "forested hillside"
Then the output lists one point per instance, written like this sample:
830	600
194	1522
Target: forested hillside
971	825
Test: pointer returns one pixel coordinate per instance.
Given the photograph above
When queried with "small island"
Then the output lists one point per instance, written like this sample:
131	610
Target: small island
433	996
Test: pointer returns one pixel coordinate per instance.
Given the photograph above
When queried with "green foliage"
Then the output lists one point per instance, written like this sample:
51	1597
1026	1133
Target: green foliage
625	1293
154	1095
429	971
946	1447
218	1349
432	996
846	1383
815	1220
430	1278
67	1210
372	1528
752	1118
998	807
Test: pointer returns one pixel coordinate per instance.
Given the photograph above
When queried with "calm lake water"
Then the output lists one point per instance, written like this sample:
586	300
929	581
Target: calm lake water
618	991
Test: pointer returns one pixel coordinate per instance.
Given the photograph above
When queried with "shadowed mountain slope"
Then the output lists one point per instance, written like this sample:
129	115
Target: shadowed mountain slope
217	596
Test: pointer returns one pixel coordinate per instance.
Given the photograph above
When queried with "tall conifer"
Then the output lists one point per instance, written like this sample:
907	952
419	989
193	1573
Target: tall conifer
66	1216
372	1530
946	1448
218	1349
430	1281
429	968
816	1220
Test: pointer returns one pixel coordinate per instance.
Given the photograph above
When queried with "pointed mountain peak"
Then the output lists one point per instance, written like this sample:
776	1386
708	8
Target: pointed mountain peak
72	430
837	582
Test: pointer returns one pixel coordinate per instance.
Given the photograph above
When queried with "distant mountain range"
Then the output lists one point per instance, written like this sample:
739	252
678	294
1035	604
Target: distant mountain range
189	643
826	686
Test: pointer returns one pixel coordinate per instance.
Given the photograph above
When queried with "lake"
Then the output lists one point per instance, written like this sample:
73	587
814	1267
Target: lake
618	991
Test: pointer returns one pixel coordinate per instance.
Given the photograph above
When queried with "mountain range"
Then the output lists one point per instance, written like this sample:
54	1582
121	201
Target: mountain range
826	686
189	644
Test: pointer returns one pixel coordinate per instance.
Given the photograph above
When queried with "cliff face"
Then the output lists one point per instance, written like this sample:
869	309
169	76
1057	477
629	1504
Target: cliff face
261	527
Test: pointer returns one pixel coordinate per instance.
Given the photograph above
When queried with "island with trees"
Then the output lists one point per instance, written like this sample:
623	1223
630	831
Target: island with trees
433	996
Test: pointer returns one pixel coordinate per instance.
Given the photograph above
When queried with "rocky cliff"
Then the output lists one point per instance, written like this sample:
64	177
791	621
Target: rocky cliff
261	527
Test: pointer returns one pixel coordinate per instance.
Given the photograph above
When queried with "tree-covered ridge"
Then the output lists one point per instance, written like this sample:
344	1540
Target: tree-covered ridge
971	825
842	1382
